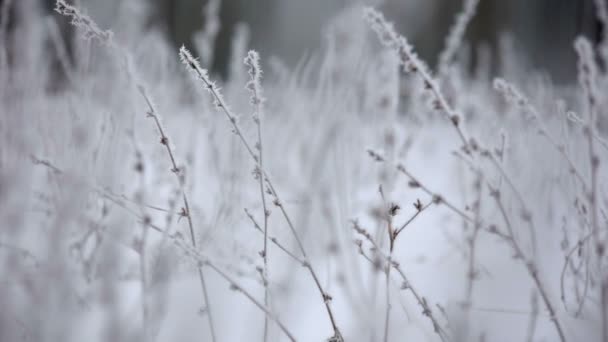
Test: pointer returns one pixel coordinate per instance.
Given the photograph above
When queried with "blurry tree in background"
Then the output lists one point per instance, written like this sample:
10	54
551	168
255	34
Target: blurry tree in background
544	29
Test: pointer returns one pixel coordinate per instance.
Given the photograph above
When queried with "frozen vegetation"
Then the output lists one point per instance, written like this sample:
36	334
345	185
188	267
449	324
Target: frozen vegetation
361	196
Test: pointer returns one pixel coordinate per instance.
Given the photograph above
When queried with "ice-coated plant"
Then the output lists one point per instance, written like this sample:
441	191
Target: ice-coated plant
363	195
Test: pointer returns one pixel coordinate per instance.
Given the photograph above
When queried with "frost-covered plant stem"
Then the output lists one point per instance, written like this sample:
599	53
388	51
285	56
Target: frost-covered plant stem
456	35
206	38
203	261
588	74
391	211
87	26
587	78
257	101
514	96
274	240
412	64
471	240
265	309
406	284
575	118
415	183
141	244
393	233
185	211
528	263
202	75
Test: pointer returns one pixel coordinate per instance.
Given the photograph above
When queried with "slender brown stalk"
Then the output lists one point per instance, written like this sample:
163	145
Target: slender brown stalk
529	264
257	100
415	183
185	211
587	72
411	63
472	272
140	247
268	313
577	247
406	284
273	239
513	95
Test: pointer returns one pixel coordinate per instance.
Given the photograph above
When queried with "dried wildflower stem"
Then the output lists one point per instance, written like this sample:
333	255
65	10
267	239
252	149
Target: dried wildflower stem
220	103
411	63
575	118
206	38
272	239
252	299
419	210
392	237
144	279
185	212
436	197
514	96
582	299
194	254
533	318
396	285
88	26
142	270
415	183
257	100
526	213
528	263
406	284
471	240
456	35
422	302
587	73
140	246
391	210
577	247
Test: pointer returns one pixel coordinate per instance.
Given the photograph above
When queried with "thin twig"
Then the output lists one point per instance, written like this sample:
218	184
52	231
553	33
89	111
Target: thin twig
185	212
257	100
406	285
415	183
274	240
529	264
411	63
